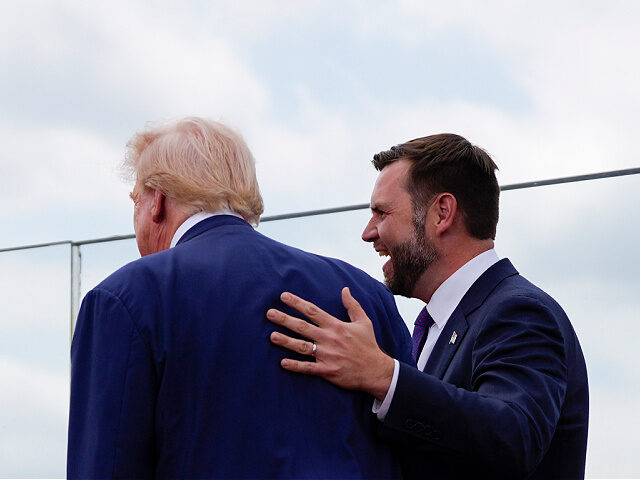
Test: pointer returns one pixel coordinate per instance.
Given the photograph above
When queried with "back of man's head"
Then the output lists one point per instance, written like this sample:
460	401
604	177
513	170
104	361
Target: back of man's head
450	163
201	164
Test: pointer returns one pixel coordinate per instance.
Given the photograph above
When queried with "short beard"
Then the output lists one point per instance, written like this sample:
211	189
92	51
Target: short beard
411	259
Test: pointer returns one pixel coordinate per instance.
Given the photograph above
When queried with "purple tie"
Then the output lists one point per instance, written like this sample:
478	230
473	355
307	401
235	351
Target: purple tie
420	331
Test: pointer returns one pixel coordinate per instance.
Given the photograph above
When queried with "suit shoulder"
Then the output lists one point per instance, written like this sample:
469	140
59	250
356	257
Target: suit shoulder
516	302
366	289
331	262
360	277
517	288
135	274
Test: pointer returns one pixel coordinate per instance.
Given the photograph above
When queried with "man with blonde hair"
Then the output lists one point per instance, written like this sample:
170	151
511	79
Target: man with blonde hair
171	373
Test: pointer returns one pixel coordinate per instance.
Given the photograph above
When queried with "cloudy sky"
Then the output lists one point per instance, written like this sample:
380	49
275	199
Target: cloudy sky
547	88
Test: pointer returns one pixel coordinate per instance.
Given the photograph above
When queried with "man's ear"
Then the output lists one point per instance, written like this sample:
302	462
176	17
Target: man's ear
446	207
158	207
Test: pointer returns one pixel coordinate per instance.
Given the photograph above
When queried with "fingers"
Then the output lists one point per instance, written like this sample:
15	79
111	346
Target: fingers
356	313
294	324
308	309
293	344
308	368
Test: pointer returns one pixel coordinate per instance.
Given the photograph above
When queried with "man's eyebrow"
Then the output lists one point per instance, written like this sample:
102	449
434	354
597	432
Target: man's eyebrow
379	207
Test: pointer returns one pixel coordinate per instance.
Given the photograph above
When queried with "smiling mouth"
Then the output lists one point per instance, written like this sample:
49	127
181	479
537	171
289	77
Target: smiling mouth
388	265
383	252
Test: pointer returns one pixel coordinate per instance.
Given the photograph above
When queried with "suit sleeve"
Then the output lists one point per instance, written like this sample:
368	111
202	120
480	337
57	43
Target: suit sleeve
113	385
505	422
392	334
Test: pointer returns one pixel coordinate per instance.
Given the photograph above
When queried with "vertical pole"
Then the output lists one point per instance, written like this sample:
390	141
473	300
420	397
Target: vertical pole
76	275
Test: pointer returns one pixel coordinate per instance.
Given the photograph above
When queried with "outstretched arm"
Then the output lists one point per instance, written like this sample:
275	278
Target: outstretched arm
505	421
347	354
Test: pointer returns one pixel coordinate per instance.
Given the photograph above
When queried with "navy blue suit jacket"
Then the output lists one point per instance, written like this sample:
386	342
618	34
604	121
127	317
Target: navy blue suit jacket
173	374
507	398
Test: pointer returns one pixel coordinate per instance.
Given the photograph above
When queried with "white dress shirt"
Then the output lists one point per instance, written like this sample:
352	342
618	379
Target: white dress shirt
195	219
441	305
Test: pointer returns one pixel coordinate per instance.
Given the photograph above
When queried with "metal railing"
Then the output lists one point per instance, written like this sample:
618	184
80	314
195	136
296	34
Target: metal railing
76	254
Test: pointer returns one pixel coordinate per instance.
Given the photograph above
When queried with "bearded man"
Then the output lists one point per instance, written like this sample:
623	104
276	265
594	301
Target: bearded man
500	389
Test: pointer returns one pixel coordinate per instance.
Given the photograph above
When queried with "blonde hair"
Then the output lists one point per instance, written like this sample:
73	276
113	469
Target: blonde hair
197	162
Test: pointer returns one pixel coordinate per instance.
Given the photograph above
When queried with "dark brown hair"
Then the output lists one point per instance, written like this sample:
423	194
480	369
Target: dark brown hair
449	163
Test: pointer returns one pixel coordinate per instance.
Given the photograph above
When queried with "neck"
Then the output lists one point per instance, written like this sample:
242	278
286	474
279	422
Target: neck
167	227
163	236
448	263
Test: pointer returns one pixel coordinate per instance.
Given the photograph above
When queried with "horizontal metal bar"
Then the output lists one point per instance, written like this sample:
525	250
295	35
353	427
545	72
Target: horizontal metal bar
36	245
577	178
513	186
113	238
310	213
348	208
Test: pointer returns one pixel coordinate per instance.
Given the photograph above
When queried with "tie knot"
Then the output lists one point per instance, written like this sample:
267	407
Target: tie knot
424	319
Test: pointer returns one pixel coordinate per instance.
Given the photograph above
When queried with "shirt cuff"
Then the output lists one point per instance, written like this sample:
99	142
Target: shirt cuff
381	408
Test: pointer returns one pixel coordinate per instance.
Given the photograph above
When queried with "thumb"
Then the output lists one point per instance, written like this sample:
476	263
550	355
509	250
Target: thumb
356	313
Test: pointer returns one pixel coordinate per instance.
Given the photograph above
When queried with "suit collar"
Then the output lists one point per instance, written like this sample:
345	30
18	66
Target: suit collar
483	287
457	325
450	293
212	222
187	224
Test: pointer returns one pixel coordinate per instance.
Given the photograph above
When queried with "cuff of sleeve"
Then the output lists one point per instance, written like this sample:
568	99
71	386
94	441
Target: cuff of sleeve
381	408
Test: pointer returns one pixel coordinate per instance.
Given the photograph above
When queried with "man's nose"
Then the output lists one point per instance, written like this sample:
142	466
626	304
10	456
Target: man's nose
370	233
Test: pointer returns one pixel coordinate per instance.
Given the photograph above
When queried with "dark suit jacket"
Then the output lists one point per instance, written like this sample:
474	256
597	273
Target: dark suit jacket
507	399
173	374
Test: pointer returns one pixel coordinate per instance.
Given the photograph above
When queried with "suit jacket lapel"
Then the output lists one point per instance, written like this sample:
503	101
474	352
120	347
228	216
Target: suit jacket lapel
453	333
447	344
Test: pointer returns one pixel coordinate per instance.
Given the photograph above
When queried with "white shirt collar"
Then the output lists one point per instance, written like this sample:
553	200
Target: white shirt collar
195	219
449	294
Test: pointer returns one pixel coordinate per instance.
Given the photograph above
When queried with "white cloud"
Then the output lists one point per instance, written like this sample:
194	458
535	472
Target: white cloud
37	290
172	70
58	166
319	163
33	421
572	59
613	435
135	52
